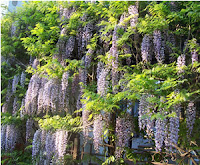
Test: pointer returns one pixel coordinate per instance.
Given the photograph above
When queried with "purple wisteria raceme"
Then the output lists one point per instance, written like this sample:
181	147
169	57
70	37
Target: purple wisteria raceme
190	117
31	97
22	79
29	129
160	134
35	64
87	34
15	83
133	10
69	48
88	58
3	136
98	132
50	146
146	49
142	111
11	138
102	82
122	24
181	63
22	108
41	98
13	29
195	55
173	129
61	139
146	108
123	130
36	145
100	67
16	106
51	94
159	46
115	65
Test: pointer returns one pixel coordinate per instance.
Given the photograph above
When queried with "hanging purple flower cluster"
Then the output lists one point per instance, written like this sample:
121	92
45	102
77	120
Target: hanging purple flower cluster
87	34
32	95
10	135
146	48
190	117
141	112
102	82
114	56
181	63
45	95
15	83
145	108
69	48
49	147
22	79
16	106
97	132
64	93
172	130
35	63
133	10
123	130
159	46
160	134
29	129
194	54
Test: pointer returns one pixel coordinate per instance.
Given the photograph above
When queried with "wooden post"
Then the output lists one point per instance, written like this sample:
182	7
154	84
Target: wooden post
75	152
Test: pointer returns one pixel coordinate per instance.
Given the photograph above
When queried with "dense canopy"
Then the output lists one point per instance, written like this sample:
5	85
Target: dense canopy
83	81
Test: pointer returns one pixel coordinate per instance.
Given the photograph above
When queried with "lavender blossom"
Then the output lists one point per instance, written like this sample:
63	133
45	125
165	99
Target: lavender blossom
100	67
146	49
15	83
114	54
190	117
123	130
173	129
102	82
69	48
3	136
31	97
36	144
29	129
181	63
61	140
22	79
50	146
142	111
98	132
159	46
35	64
133	10
160	126
195	55
15	106
12	136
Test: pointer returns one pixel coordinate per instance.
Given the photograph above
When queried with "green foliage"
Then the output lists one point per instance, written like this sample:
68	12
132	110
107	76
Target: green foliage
7	118
56	122
16	157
